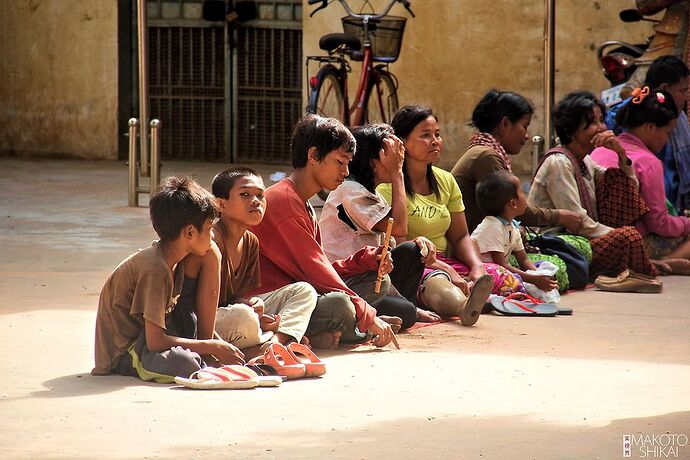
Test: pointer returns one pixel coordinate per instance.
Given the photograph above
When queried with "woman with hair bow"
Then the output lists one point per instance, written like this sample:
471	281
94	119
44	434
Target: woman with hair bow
648	120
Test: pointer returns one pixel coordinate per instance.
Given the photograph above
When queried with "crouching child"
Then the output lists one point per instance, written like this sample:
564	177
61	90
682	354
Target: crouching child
131	334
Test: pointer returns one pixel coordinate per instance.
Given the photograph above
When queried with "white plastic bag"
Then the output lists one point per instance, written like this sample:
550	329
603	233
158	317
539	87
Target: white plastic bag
545	268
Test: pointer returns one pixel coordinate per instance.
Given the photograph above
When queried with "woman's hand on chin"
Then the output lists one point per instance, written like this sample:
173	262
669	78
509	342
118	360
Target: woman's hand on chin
608	139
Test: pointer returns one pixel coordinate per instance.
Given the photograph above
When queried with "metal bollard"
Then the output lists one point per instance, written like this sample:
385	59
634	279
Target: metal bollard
134	165
143	62
132	196
155	153
537	151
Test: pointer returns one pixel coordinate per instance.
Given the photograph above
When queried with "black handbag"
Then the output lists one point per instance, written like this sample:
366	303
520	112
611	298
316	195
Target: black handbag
575	263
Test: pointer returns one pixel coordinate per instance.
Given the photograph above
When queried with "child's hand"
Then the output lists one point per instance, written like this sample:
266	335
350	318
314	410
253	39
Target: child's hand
387	265
258	305
544	282
227	353
392	154
269	322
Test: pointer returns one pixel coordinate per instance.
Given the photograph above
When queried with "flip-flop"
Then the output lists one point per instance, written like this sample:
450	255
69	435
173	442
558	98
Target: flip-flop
267	375
230	377
279	358
565	311
529	299
511	306
313	366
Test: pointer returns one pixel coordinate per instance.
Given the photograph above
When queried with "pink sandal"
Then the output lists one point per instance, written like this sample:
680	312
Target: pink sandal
313	365
279	358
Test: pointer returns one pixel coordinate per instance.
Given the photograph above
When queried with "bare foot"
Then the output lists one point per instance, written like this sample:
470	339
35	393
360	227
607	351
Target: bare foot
678	266
394	321
426	316
662	266
305	341
326	339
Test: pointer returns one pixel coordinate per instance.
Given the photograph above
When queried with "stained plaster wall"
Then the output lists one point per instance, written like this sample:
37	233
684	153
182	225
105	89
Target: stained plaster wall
58	72
58	78
454	50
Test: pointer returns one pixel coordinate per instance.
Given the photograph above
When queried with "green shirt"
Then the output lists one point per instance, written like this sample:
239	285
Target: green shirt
429	215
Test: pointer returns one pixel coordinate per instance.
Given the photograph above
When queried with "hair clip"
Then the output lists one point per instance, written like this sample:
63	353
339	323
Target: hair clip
639	94
660	97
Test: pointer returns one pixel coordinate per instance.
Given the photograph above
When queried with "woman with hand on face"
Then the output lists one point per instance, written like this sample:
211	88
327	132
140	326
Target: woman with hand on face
356	215
435	210
648	120
567	178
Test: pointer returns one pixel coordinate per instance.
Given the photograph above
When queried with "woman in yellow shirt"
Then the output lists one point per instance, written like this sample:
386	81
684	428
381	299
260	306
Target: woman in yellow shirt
434	204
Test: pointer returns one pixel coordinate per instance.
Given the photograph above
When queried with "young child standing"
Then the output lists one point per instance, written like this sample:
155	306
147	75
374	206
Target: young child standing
501	199
131	337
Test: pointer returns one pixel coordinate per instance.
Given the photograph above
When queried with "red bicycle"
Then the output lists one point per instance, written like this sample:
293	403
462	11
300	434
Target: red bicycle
369	38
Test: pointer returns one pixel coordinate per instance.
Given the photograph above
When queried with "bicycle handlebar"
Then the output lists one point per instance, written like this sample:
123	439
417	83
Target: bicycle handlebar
324	4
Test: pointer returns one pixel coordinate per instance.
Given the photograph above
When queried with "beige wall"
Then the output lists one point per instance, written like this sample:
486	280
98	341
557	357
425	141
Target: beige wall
454	50
58	78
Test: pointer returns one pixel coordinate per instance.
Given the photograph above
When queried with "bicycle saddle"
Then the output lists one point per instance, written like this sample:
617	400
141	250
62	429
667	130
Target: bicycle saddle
329	42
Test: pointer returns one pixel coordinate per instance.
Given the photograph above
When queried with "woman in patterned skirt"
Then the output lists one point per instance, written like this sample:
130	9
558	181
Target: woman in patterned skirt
567	178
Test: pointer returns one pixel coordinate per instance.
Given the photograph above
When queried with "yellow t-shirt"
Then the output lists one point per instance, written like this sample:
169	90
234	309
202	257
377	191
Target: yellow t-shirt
429	215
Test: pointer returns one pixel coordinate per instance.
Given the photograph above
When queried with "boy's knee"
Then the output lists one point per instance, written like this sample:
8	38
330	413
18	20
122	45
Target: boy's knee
183	361
408	251
337	306
177	361
305	289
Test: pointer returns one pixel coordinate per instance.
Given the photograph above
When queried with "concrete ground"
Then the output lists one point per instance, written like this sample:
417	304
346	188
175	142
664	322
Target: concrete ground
564	387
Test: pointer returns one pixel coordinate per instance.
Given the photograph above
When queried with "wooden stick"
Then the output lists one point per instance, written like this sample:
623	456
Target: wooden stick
386	242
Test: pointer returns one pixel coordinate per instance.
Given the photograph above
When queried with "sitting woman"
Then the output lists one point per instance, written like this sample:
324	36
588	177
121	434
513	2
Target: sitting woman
567	179
356	215
648	121
502	119
434	204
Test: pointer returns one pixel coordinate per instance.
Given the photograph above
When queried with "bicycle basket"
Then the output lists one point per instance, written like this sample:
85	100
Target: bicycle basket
386	36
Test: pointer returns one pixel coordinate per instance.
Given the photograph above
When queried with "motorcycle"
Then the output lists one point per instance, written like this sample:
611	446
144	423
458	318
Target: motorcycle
616	59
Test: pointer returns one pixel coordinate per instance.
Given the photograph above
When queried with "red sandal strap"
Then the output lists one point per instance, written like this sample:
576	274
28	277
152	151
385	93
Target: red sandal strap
523	296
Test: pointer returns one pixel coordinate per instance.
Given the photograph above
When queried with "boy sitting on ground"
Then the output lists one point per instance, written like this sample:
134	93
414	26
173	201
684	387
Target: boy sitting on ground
501	198
241	201
291	249
131	335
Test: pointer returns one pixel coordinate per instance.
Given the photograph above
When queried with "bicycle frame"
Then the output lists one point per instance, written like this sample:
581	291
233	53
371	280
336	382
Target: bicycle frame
362	93
370	77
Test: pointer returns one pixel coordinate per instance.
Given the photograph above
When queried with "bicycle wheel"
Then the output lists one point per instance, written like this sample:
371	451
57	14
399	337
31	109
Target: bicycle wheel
327	98
382	102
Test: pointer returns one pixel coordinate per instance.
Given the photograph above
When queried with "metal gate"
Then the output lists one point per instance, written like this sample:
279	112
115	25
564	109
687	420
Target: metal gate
225	103
269	82
187	89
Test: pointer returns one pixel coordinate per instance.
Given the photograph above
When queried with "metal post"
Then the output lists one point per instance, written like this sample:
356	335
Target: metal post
537	151
155	154
143	54
132	196
549	69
